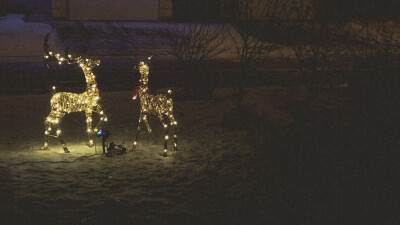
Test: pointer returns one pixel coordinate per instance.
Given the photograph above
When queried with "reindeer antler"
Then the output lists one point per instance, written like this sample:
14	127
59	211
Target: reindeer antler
50	56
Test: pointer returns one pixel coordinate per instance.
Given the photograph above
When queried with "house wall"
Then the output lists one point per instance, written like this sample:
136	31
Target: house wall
113	10
34	6
165	9
197	11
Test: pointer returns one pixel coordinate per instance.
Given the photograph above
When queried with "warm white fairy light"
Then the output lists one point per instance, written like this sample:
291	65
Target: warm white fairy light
63	103
159	105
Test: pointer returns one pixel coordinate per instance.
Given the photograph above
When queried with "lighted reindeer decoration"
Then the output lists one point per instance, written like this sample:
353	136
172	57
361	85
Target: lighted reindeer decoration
63	103
159	105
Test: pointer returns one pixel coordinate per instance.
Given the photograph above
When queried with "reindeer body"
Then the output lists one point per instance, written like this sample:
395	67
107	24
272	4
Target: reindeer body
63	103
159	105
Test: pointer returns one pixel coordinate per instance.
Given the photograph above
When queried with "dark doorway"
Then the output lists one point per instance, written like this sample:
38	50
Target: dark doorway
196	11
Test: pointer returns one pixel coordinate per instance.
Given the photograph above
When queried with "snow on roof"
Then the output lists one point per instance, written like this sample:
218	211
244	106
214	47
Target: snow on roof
21	41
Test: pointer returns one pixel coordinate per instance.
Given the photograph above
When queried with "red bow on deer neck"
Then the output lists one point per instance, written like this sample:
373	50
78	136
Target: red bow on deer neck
136	93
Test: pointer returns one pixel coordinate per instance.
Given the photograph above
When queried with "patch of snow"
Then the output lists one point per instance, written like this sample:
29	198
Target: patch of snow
21	41
142	185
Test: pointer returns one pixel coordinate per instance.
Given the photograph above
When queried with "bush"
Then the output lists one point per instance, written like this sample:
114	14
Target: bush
193	45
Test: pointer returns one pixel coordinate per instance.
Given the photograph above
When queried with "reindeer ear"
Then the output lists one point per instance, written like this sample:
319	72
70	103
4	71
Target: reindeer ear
67	56
84	50
46	43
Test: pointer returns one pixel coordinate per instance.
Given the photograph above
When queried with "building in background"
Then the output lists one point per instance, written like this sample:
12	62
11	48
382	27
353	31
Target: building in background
144	10
3	7
138	10
26	6
187	10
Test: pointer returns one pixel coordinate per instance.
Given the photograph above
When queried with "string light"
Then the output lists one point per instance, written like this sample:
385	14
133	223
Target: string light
159	105
63	103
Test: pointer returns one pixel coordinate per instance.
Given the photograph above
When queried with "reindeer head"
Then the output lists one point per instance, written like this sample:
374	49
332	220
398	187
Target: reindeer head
87	64
143	68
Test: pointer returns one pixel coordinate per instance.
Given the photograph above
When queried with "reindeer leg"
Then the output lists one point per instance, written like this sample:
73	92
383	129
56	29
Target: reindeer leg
147	123
89	126
103	118
165	153
175	124
63	144
137	132
47	130
58	132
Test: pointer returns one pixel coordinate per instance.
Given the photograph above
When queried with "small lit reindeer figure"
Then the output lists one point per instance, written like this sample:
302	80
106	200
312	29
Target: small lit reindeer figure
159	105
63	103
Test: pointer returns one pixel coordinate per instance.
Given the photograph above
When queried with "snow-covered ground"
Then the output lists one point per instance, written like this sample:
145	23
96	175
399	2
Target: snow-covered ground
206	181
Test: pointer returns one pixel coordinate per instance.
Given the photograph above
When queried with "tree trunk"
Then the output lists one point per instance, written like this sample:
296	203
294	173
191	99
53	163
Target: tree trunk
240	93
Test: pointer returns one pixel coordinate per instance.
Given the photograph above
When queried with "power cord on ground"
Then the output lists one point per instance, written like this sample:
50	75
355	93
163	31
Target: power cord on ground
51	162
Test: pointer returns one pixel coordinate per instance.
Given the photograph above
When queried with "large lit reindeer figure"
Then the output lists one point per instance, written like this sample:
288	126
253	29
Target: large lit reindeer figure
63	103
159	105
